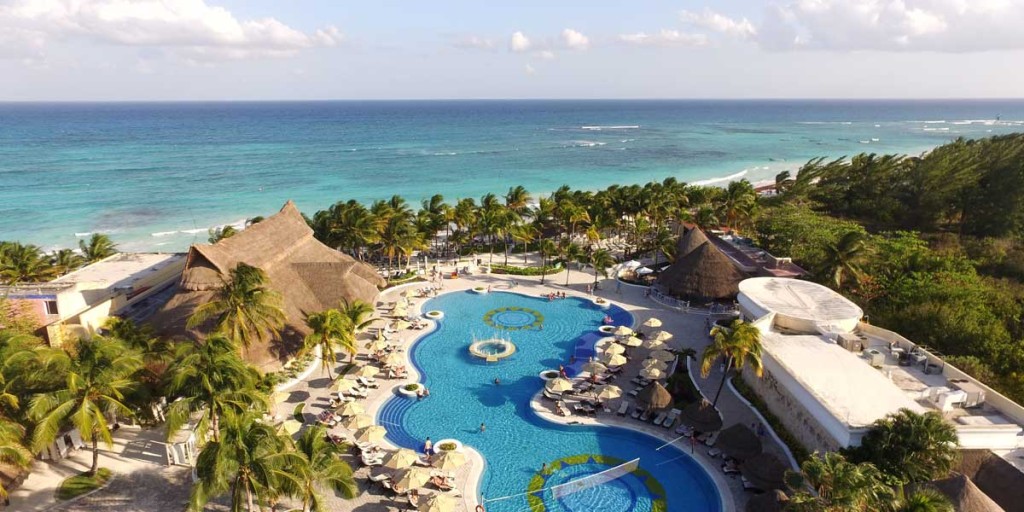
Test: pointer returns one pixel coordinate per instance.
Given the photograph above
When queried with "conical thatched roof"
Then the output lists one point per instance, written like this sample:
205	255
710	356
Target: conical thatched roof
739	442
702	417
704	274
655	396
310	277
774	501
994	476
690	240
765	471
965	496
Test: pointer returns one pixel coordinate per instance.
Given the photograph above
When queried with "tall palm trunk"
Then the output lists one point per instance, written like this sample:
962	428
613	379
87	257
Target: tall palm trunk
725	374
95	452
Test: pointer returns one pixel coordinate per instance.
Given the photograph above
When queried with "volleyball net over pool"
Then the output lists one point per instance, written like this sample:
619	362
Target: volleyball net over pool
580	484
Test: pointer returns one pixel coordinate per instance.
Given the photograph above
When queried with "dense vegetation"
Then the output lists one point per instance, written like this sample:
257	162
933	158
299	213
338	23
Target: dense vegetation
23	263
931	247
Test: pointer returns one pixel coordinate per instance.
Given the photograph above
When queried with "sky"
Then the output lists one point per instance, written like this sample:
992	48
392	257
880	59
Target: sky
135	50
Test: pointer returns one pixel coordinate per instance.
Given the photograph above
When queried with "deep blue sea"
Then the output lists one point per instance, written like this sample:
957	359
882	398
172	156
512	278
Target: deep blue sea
156	175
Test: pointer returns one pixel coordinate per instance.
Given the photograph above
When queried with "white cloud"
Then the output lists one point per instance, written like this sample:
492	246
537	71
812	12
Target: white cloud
546	55
529	70
519	42
473	42
192	27
575	40
711	20
664	38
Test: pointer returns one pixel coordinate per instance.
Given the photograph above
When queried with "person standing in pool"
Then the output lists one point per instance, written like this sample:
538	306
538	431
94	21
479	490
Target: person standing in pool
428	448
483	428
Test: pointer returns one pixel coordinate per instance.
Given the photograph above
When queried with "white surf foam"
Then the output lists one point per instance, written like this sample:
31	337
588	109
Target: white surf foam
731	177
598	128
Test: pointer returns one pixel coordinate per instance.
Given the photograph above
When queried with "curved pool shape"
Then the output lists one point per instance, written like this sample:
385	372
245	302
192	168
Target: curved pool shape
516	442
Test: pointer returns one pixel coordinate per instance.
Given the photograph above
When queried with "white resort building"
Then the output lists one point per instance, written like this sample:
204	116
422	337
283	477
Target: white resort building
828	375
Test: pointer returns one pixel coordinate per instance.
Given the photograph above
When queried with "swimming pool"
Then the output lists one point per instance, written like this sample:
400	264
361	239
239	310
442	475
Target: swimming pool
517	443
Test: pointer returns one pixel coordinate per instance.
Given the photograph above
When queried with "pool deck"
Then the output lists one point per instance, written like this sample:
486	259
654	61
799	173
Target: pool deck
689	331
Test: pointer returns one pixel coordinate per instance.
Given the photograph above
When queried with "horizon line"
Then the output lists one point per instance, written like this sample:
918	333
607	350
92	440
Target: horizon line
551	99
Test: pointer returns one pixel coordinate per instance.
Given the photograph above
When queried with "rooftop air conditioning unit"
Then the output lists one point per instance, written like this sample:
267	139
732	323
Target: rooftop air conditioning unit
850	342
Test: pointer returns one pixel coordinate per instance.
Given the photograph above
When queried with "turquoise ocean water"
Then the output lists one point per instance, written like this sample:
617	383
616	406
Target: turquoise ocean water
157	175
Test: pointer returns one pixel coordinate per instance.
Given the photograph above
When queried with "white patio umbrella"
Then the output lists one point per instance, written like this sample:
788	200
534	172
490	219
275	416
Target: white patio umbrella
412	478
448	460
615	348
377	345
633	341
652	373
608	392
622	330
367	371
558	385
594	367
662	355
345	385
393	359
351	409
371	434
401	459
603	342
652	322
654	363
659	336
614	359
291	426
357	421
398	325
438	503
655	345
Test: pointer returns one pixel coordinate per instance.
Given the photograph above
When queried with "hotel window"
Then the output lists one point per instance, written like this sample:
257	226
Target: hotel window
51	307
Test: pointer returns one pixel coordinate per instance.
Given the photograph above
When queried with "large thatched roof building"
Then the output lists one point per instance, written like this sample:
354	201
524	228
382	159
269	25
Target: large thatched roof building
701	271
309	276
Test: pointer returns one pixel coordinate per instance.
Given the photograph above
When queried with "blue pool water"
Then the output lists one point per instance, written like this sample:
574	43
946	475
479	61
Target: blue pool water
516	442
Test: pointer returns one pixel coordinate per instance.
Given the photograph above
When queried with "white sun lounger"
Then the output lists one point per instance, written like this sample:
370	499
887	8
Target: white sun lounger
660	418
673	415
623	408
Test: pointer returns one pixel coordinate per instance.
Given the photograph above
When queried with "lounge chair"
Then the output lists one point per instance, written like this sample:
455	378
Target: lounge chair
441	483
614	370
636	413
660	418
369	383
748	486
646	416
684	430
730	469
712	438
714	452
623	408
552	396
673	415
380	478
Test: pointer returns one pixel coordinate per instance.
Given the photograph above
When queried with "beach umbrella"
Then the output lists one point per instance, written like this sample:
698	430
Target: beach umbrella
654	363
622	330
603	342
764	471
964	494
659	336
357	421
401	459
594	367
701	416
377	345
615	348
662	355
400	312
655	345
652	373
345	385
559	385
608	392
438	503
371	434
655	396
412	478
448	460
291	426
398	325
633	341
614	359
652	322
351	409
280	397
393	359
738	442
367	371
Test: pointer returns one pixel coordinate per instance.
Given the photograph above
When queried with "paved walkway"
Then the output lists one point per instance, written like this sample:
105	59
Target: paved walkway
144	482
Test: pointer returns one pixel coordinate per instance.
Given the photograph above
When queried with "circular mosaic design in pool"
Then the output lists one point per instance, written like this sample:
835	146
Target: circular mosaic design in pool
514	318
637	491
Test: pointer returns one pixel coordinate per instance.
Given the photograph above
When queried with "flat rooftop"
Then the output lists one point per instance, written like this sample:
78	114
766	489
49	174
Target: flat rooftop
852	391
802	300
121	269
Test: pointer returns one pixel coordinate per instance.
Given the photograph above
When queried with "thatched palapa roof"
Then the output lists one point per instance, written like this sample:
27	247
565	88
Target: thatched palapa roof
994	476
655	396
704	274
739	442
690	240
765	471
701	416
965	496
310	277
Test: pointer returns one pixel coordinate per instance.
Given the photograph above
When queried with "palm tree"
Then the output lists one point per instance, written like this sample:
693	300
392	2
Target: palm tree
547	249
830	483
327	328
98	247
65	260
571	252
100	374
211	377
517	199
347	226
524	233
844	258
245	309
320	468
910	447
218	234
21	263
924	500
601	259
706	217
12	451
251	461
738	203
739	345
